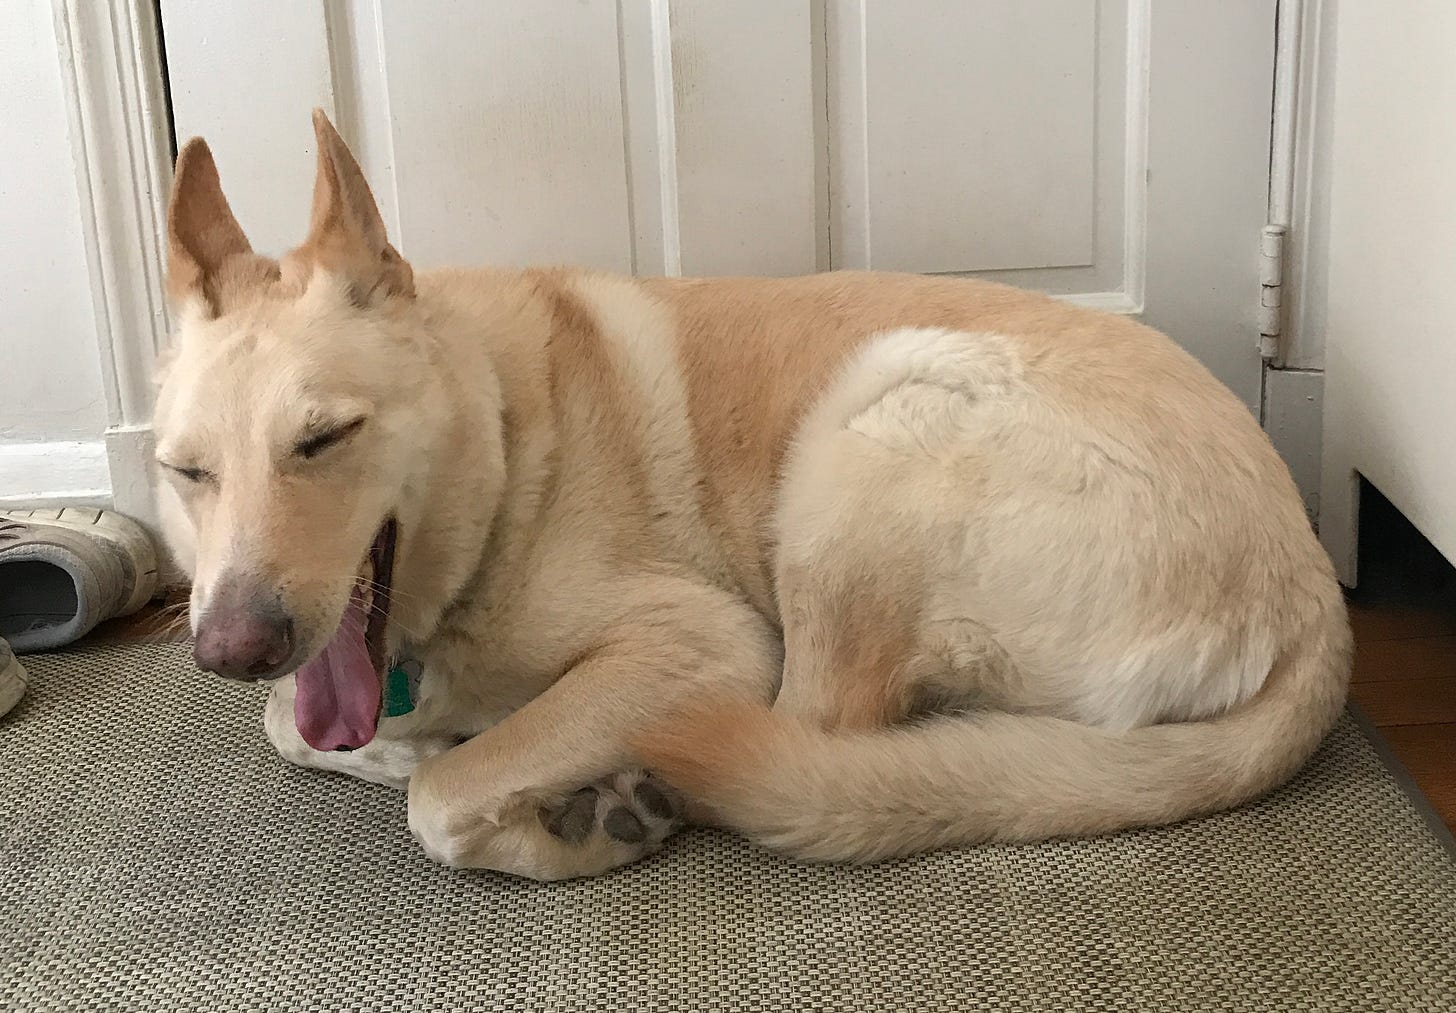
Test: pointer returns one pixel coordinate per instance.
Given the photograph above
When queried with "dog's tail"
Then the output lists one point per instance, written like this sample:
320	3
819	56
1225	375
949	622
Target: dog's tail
863	796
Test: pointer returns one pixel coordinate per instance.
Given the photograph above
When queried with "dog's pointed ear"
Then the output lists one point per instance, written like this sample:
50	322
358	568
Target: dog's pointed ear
346	233
201	230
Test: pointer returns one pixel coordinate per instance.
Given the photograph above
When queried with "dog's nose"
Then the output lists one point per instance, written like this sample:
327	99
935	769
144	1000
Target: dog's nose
242	635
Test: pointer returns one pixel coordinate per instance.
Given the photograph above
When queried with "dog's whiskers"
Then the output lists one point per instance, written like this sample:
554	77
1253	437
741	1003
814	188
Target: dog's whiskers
167	632
371	608
393	592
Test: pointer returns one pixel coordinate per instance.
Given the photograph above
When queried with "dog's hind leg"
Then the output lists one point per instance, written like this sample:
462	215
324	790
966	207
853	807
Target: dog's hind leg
390	759
879	488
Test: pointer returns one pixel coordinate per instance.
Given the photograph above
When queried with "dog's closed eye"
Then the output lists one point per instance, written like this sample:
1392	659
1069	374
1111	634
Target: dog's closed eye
190	472
312	445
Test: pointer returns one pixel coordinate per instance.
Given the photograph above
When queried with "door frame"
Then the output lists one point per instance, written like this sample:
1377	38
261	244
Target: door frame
113	73
1292	402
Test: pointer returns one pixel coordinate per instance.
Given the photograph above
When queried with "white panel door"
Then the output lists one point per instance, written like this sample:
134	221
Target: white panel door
963	133
1114	152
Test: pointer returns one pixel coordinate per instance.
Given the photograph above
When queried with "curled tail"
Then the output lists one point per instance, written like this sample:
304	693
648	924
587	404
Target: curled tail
864	796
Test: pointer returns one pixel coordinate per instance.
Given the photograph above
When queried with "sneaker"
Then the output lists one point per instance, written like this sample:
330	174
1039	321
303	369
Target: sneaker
12	678
64	571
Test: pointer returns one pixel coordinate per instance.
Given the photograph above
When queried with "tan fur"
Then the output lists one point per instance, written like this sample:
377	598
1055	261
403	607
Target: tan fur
867	563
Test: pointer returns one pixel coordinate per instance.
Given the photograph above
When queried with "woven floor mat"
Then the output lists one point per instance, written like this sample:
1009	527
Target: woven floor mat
156	854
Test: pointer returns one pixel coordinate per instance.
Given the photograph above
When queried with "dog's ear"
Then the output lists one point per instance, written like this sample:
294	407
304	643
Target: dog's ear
346	234
201	231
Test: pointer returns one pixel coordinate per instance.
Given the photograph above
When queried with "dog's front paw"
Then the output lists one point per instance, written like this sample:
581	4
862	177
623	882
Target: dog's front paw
436	820
609	824
632	808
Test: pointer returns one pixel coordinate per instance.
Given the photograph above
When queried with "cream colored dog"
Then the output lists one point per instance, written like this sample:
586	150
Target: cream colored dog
856	564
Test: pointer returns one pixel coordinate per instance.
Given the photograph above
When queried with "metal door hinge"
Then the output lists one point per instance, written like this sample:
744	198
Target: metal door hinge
1271	290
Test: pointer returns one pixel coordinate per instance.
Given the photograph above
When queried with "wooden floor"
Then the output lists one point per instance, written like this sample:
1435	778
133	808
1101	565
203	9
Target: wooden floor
1405	682
1404	617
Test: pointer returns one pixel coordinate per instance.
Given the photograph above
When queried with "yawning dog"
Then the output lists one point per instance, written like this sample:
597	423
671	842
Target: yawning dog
854	564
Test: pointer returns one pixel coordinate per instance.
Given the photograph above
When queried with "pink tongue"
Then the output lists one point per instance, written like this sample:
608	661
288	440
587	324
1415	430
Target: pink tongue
337	705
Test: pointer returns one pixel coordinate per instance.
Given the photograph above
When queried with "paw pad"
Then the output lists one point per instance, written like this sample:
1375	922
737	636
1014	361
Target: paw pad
624	826
573	822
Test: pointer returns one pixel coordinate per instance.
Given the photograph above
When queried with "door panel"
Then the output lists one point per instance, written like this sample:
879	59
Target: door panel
743	111
506	130
963	134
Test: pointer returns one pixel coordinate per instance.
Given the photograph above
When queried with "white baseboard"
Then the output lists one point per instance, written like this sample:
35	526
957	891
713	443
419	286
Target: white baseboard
70	473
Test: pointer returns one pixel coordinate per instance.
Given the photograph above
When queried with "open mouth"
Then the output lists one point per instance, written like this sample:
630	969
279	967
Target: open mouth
341	691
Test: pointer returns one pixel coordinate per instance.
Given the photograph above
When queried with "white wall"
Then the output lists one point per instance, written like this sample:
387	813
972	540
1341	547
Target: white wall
52	405
1390	345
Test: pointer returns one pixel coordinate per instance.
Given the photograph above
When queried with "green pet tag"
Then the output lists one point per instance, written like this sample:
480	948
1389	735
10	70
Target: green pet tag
401	687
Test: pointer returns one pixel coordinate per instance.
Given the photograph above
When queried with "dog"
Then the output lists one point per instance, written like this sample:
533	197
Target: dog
856	564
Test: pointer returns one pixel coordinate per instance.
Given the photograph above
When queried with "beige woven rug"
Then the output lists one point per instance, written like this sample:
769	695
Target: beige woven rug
155	854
